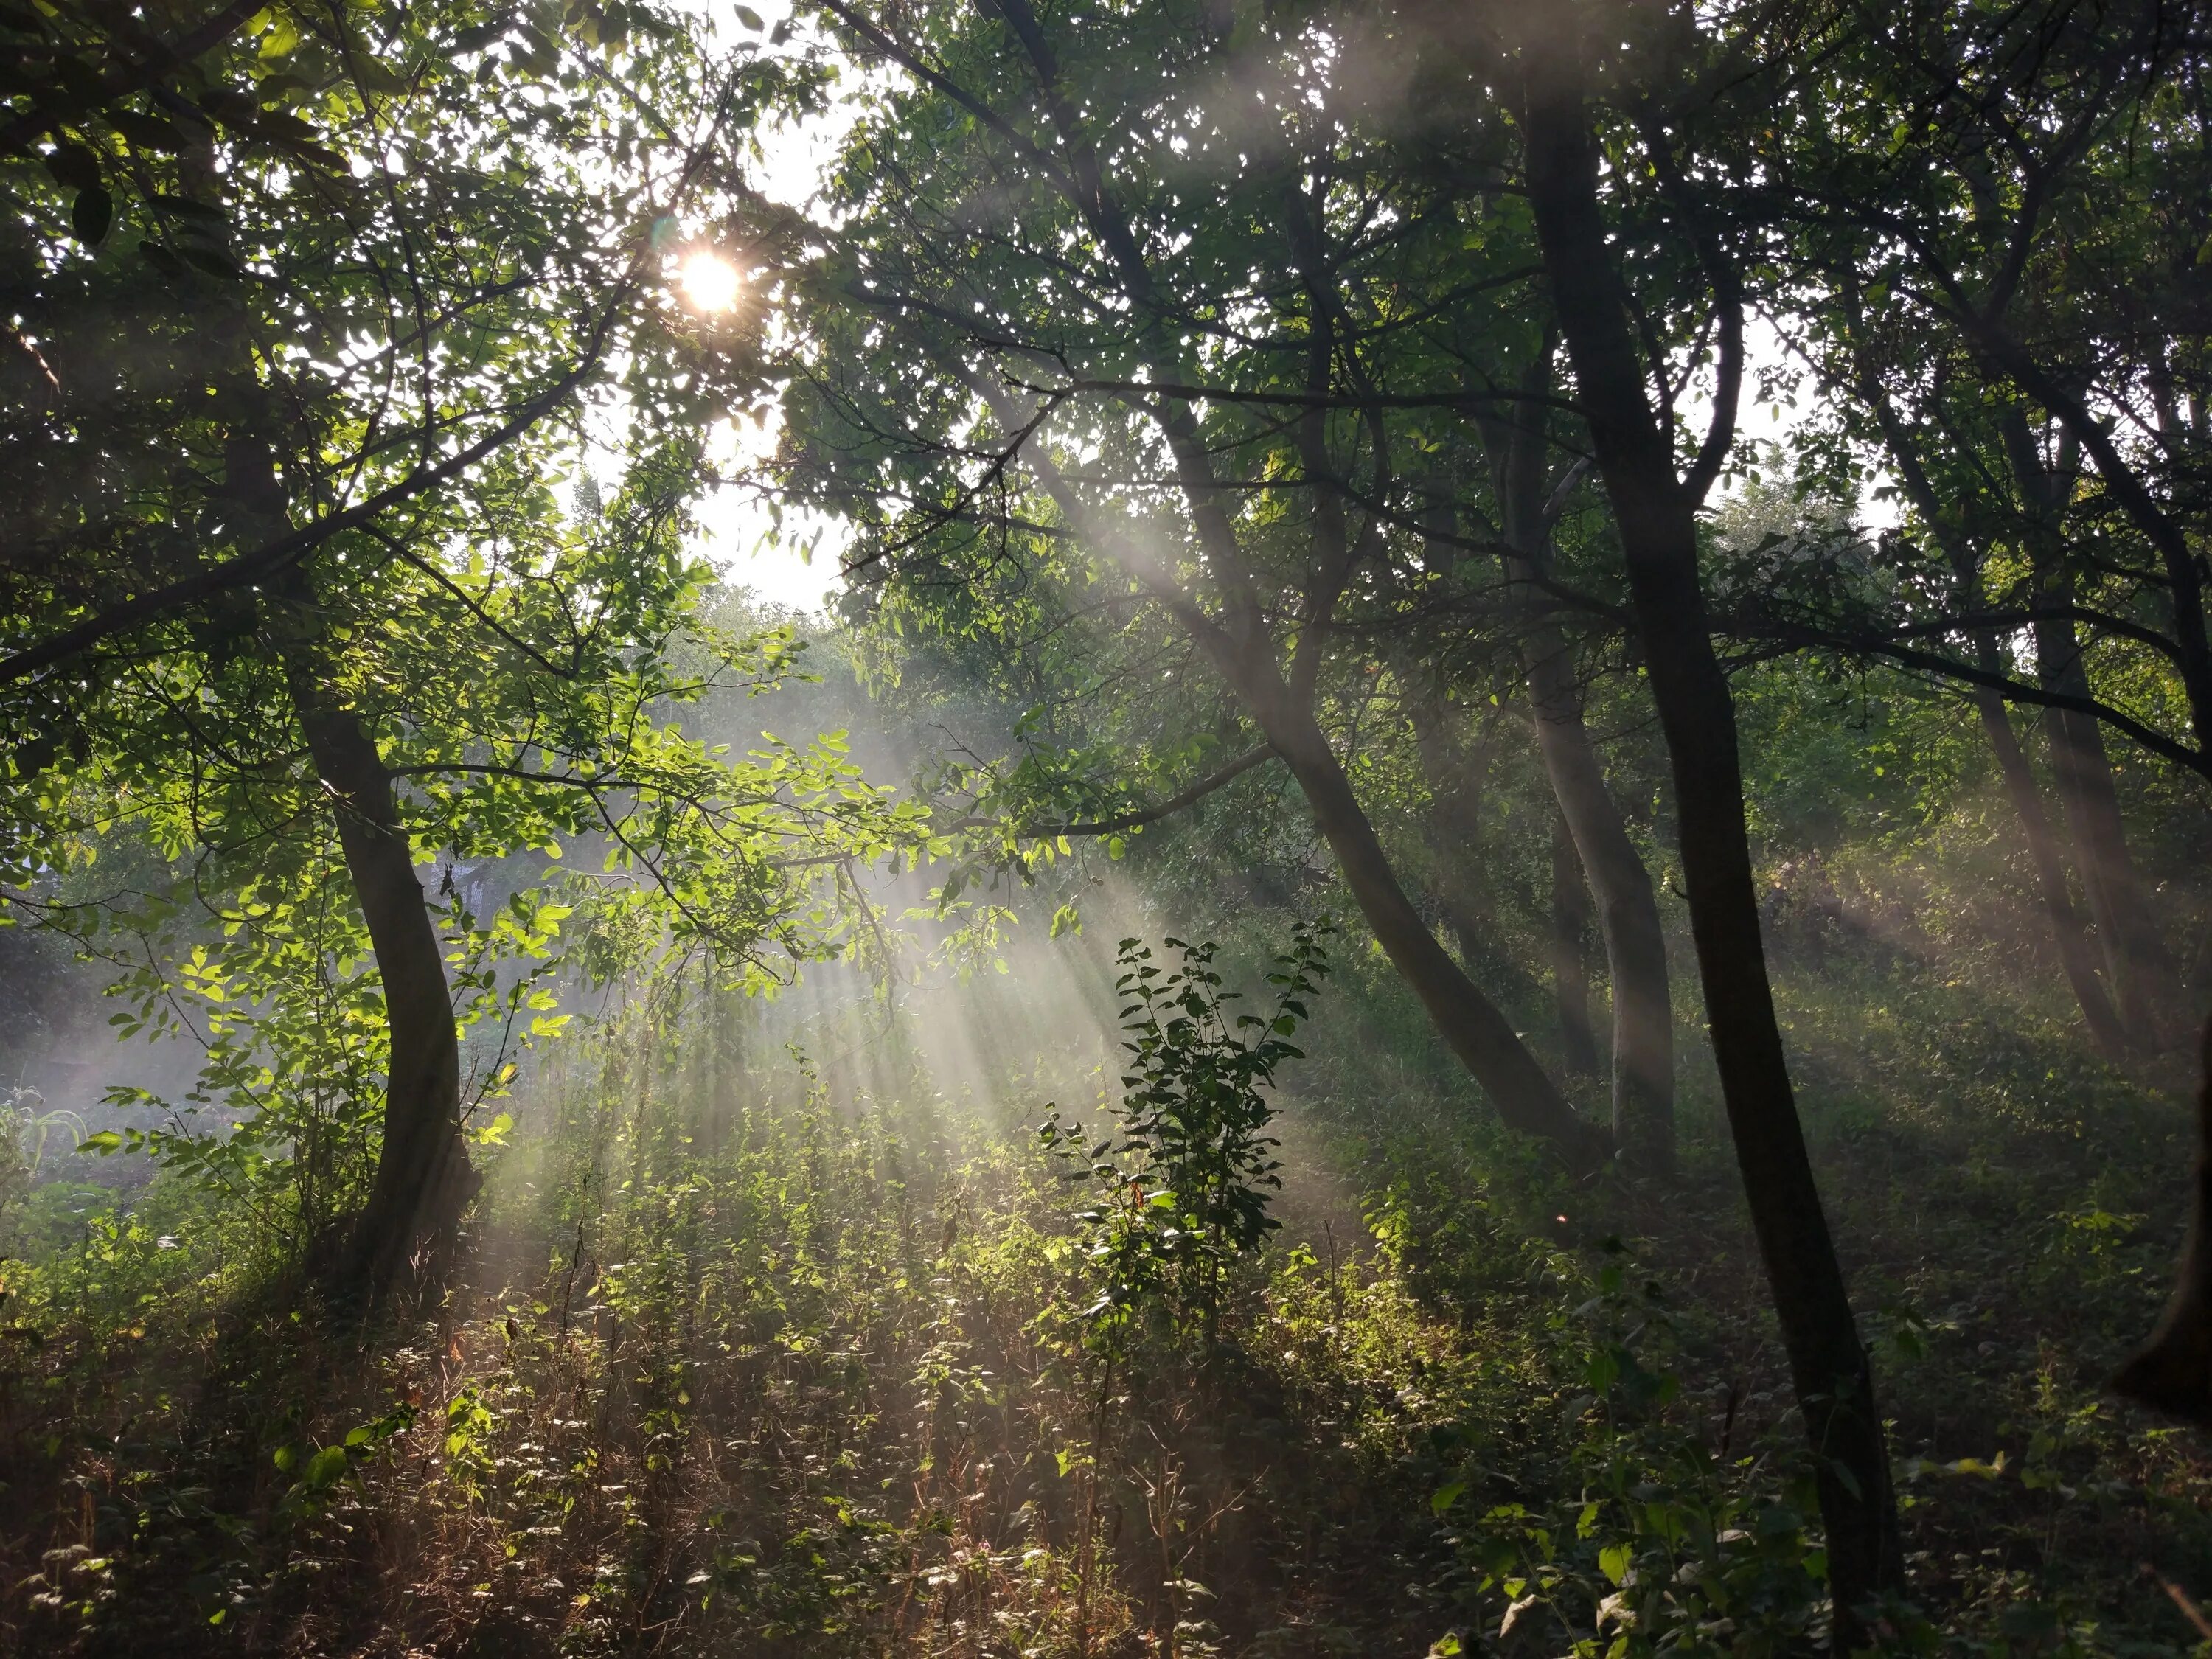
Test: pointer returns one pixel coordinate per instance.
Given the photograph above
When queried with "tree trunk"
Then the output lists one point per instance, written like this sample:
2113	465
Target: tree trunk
1243	654
1468	1022
2136	964
2173	1371
1570	943
2073	939
2134	957
1656	519
423	1181
2066	931
1452	771
1628	910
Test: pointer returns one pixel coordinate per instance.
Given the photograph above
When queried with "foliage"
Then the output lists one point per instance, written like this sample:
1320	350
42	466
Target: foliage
1180	1181
401	330
1182	377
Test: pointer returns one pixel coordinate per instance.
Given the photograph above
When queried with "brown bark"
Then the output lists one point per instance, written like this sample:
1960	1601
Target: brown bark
423	1182
1656	515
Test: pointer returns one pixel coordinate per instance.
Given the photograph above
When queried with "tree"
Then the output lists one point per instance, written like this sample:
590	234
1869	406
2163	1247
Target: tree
297	589
1656	502
1042	327
1959	275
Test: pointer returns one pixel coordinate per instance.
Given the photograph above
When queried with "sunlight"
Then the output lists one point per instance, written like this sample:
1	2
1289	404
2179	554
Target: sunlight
709	281
831	829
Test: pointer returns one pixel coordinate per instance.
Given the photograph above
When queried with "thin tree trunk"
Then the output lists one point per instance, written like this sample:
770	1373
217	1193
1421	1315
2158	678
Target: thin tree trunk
1468	1022
423	1181
1994	344
1452	771
2135	958
2136	964
1570	952
1628	910
2073	939
1655	516
1243	653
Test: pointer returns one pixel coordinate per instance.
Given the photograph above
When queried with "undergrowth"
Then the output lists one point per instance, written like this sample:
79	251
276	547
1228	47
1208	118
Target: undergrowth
783	1357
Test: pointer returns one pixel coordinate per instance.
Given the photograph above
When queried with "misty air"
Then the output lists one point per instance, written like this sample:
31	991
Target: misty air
1167	830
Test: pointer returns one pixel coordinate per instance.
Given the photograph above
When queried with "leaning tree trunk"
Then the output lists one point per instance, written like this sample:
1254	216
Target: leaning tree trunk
423	1181
1656	519
1470	1024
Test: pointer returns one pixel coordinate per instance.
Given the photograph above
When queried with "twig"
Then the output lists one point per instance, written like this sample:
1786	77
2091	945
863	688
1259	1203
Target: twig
2182	1599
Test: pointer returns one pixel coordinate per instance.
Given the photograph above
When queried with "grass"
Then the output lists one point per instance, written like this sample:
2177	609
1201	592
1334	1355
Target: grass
764	1357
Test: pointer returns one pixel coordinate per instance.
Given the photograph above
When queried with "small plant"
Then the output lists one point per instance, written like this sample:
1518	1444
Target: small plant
1182	1179
317	1470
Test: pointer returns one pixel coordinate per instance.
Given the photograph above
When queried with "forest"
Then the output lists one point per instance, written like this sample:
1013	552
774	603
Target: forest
1106	829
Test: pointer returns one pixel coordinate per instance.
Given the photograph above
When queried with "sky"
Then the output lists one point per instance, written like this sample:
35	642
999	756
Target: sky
734	528
800	569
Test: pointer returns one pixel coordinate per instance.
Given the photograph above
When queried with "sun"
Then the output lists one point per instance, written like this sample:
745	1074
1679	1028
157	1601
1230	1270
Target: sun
709	281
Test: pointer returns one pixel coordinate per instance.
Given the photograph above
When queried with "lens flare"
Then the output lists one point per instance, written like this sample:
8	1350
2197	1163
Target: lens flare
708	281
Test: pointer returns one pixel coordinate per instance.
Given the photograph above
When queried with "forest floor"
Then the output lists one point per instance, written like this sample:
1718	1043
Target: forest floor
751	1360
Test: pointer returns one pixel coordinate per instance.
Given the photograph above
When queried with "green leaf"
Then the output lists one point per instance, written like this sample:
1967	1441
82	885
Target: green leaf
283	37
1613	1561
323	1469
73	167
92	215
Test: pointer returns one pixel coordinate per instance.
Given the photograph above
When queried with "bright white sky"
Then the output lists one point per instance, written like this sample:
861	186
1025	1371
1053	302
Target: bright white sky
801	570
734	528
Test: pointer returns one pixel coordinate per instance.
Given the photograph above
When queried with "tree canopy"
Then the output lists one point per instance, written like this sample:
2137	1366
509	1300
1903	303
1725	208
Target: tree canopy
1283	462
